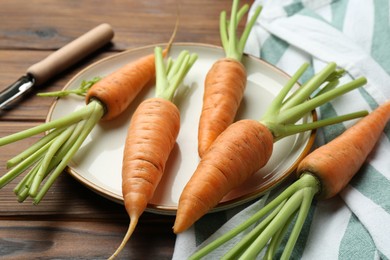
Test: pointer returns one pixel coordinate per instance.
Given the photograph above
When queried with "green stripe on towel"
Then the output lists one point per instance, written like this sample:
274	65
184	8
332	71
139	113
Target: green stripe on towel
357	242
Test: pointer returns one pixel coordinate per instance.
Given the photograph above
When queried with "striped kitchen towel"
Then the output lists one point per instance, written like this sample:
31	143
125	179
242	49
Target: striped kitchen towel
356	35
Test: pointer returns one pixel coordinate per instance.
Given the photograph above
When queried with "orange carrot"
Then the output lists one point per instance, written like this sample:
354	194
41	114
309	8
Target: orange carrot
226	80
224	88
117	90
106	99
243	148
322	174
151	136
335	163
246	145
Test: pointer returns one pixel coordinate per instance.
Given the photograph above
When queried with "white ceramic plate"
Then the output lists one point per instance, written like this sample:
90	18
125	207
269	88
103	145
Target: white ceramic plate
98	163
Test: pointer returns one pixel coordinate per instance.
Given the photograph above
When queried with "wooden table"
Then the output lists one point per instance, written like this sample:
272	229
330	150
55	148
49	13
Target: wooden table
73	222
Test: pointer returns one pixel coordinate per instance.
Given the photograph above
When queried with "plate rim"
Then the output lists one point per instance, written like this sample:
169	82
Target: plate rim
166	209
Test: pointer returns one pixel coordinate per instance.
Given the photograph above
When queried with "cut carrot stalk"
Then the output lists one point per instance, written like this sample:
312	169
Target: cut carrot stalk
322	175
246	145
106	99
226	80
151	137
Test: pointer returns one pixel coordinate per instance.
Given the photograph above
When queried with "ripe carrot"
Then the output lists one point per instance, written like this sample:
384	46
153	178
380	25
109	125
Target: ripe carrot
226	80
337	162
106	99
117	90
223	92
237	154
151	137
322	174
242	149
125	84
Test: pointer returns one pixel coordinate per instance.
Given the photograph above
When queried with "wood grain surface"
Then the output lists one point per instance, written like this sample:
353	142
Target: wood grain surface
72	222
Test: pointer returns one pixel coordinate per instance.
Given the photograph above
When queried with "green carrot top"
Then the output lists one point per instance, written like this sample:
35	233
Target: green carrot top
169	75
231	42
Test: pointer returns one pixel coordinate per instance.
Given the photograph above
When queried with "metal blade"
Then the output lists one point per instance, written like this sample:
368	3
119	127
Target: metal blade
14	91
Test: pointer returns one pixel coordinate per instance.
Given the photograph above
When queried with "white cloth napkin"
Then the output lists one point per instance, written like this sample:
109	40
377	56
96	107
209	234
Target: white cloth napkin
356	35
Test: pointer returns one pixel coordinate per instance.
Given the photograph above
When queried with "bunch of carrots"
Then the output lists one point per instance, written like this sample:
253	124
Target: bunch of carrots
247	145
230	151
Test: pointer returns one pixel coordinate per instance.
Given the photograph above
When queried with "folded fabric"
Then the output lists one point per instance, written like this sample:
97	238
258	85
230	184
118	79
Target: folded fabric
355	35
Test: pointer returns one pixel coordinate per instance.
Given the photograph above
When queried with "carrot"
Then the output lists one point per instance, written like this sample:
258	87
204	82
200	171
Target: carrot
246	146
225	81
238	152
322	174
106	99
125	84
345	154
151	137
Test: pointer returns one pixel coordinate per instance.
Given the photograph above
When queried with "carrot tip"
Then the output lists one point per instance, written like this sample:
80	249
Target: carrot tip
130	230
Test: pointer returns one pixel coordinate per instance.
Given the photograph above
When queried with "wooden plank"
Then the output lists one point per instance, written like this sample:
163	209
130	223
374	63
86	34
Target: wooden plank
48	239
42	24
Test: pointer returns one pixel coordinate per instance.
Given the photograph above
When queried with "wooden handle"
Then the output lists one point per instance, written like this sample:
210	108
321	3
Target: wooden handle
71	53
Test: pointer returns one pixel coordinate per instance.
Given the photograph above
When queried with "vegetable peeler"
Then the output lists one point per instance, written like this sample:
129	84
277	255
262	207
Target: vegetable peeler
56	62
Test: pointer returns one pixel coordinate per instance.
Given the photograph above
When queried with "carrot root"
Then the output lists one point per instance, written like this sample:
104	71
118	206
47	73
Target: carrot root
129	232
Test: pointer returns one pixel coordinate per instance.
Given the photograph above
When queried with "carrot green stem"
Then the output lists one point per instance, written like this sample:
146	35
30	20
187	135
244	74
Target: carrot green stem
26	179
96	114
23	165
223	30
308	195
47	139
289	106
240	14
293	114
277	239
170	75
246	224
310	86
65	121
238	249
23	187
248	28
282	131
231	42
283	216
331	85
47	159
51	154
80	91
274	218
277	102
